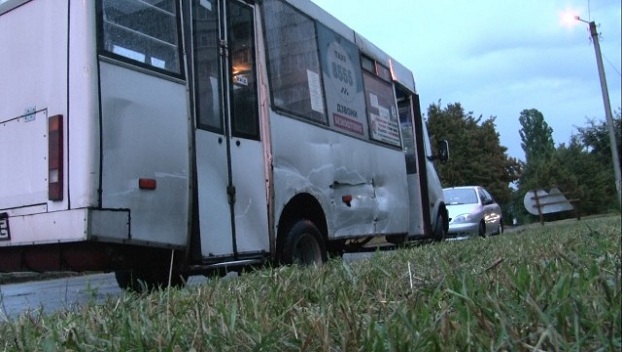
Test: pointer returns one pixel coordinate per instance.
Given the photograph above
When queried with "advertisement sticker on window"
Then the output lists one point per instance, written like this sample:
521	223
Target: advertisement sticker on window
343	82
382	110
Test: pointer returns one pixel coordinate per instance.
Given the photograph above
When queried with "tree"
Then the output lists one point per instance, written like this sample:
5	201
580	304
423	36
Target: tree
477	157
595	138
589	158
595	191
536	136
543	168
582	169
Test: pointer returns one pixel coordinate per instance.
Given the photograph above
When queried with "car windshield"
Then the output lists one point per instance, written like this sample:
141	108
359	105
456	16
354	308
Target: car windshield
460	196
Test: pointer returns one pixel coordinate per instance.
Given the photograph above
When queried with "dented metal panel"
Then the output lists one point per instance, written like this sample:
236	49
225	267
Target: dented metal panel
329	166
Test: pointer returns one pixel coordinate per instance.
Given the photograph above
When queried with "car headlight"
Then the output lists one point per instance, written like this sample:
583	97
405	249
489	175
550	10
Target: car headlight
463	218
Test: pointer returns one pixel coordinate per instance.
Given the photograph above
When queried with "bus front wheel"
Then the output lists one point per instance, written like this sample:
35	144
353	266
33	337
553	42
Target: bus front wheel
440	231
303	245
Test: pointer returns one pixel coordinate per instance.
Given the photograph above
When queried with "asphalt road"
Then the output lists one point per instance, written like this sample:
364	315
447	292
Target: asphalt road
56	294
71	292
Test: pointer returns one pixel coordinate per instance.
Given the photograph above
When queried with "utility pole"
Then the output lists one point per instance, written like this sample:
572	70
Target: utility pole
605	92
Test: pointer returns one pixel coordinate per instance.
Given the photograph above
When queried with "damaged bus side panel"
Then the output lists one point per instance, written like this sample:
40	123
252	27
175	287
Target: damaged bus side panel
210	135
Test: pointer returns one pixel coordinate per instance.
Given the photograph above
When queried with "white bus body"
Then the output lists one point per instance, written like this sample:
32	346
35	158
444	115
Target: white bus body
122	143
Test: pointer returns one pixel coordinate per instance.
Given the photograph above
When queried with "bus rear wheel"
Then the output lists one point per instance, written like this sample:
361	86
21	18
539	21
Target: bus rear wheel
303	245
149	271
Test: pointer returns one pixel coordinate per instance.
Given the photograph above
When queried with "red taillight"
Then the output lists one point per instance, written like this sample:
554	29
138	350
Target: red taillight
55	157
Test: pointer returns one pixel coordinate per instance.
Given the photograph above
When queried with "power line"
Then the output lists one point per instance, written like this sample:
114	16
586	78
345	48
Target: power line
612	66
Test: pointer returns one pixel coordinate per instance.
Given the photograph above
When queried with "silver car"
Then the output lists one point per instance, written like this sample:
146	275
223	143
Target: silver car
472	211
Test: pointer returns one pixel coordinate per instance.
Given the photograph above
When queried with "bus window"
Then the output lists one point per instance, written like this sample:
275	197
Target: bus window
381	109
207	65
293	63
241	39
404	105
343	83
141	31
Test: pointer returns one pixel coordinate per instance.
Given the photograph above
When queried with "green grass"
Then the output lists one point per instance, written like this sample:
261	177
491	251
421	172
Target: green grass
550	288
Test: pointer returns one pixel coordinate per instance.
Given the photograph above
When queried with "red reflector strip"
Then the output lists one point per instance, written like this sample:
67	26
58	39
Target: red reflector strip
147	183
55	158
346	199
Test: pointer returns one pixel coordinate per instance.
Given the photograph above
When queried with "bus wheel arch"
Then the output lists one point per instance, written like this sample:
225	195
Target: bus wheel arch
301	221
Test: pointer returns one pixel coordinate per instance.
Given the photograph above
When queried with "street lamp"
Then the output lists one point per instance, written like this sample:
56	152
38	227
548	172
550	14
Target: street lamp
603	87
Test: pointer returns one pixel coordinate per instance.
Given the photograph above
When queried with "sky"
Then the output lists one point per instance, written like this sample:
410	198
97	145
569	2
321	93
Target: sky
499	57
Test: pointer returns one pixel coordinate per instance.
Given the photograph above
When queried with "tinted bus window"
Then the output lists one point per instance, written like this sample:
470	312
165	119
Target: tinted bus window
207	65
381	110
343	83
142	31
293	63
241	38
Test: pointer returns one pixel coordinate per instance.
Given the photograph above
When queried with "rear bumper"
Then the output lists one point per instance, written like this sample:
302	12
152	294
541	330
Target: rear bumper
75	240
66	226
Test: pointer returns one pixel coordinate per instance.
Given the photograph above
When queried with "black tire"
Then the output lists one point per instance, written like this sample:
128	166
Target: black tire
440	230
131	280
481	231
154	277
126	280
336	248
303	245
148	279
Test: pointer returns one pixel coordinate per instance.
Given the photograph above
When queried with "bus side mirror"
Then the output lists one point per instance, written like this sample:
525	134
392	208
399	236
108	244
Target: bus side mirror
443	151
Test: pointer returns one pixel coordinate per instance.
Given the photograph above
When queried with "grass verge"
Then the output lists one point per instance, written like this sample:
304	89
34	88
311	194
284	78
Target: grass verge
552	288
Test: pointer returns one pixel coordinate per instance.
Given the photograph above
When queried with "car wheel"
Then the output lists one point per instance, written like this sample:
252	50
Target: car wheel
303	245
